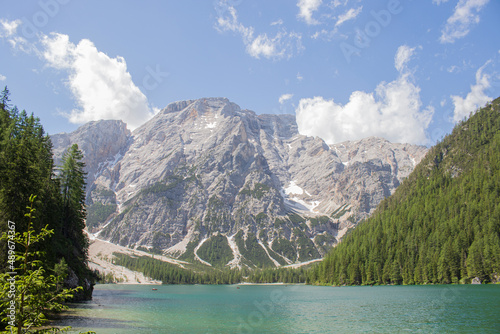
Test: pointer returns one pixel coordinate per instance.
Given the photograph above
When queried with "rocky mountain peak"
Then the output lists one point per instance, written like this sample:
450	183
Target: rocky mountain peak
198	108
204	168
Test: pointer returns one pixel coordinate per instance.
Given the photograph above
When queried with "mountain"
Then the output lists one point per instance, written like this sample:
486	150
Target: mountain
442	225
209	182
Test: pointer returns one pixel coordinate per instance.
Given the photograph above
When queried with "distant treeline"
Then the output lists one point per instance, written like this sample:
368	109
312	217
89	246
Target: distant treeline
169	273
172	274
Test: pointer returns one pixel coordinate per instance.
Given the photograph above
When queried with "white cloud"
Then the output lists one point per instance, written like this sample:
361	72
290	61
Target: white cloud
3	77
8	31
101	85
465	15
438	2
282	45
475	98
351	14
285	97
335	3
403	56
299	76
8	28
277	22
394	111
278	47
306	10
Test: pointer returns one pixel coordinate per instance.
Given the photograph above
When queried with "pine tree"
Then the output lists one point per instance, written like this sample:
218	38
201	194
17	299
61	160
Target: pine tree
72	180
27	167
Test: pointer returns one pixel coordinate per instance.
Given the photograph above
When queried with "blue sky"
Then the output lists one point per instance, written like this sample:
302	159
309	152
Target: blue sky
404	70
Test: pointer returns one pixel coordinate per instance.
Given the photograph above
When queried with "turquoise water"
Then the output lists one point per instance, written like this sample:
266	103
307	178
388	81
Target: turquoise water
289	309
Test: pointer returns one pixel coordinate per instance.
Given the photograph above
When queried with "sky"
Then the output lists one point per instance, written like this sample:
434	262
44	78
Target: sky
405	70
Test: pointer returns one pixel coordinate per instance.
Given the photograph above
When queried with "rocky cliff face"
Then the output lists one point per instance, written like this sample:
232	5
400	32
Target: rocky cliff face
206	177
100	142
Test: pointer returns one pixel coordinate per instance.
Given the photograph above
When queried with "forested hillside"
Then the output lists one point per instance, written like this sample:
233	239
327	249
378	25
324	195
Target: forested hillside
27	168
442	225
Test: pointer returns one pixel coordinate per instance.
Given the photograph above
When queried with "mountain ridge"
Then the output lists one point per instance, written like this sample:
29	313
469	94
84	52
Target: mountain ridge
203	168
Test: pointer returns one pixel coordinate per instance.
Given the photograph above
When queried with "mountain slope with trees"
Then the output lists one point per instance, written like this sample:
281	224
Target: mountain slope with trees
442	225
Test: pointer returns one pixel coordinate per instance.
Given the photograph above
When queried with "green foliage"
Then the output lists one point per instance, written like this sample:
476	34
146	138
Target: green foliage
36	293
218	216
252	251
278	275
97	213
296	219
72	180
258	191
337	214
216	251
261	218
188	255
306	248
442	225
103	192
27	167
285	248
319	221
157	189
159	241
324	242
215	202
172	274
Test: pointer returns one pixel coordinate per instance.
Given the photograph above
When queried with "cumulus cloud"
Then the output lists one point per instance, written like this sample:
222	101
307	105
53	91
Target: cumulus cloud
394	111
285	97
306	10
459	23
101	85
2	77
475	99
283	45
351	14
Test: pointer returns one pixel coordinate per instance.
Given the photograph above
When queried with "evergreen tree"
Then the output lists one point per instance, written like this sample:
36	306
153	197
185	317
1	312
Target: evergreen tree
27	167
72	180
35	292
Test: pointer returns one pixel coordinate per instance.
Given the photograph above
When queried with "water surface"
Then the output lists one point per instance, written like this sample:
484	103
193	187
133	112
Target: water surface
289	309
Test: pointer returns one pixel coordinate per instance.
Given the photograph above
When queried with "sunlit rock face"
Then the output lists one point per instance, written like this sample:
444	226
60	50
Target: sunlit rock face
204	168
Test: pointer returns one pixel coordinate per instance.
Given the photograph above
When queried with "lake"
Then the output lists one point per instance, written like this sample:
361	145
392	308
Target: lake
288	309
